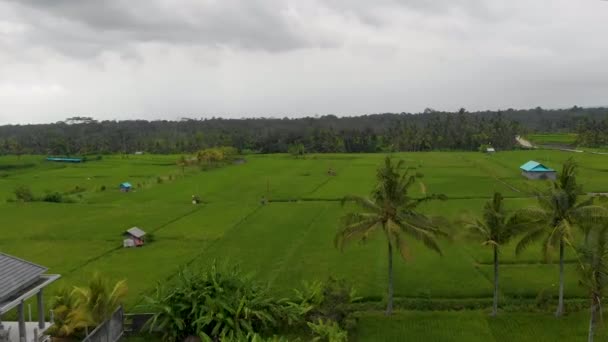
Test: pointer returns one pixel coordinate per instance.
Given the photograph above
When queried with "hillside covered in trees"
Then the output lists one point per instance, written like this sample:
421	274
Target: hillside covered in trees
431	130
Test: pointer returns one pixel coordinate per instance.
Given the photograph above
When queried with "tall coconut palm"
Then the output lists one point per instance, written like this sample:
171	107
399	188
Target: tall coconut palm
496	228
100	298
392	211
559	209
593	268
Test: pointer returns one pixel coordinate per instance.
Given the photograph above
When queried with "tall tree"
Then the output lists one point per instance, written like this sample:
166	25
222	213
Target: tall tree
593	269
392	211
560	208
496	228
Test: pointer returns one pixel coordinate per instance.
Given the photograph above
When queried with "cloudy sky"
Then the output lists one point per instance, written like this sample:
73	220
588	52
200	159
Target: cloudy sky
152	59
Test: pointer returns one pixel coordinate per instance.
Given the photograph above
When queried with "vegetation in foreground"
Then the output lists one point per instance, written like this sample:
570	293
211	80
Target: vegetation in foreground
79	310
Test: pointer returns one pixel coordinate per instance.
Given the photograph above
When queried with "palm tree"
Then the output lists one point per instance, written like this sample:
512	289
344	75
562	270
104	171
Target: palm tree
392	211
560	209
495	229
69	319
100	298
593	268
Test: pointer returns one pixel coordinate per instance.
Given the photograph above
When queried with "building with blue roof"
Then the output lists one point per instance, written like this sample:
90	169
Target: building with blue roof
535	170
125	187
65	159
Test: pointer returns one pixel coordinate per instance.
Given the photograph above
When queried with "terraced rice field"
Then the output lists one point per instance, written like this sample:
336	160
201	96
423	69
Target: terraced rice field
288	240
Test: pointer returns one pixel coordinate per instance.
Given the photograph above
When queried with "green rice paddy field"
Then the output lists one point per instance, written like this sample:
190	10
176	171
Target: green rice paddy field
553	138
290	239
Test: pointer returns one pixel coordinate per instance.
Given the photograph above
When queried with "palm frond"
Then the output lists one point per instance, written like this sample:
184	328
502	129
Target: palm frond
423	234
363	202
532	236
355	230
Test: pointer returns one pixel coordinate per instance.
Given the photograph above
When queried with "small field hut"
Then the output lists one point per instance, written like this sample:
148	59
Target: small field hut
536	170
134	237
125	187
490	150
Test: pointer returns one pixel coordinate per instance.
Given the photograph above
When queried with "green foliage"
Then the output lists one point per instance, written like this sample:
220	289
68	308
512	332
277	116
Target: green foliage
69	318
216	303
24	194
498	226
80	308
297	150
328	331
329	301
100	298
54	197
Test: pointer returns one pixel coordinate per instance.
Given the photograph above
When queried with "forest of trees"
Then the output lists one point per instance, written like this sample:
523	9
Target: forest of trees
592	132
431	130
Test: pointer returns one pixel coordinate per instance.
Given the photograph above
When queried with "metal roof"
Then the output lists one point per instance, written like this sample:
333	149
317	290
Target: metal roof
136	232
64	159
533	166
17	274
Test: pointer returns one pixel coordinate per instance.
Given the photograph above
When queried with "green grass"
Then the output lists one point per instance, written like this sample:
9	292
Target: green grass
552	138
473	326
290	240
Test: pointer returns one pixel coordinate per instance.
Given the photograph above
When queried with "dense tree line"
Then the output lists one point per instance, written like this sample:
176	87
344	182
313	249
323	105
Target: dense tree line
593	133
431	130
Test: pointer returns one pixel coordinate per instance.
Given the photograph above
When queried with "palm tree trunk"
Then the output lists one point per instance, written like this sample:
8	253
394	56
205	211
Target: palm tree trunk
389	305
592	320
495	306
560	303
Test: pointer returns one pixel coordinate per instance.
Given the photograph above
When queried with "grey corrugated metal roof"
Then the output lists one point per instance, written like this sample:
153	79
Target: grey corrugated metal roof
16	274
136	232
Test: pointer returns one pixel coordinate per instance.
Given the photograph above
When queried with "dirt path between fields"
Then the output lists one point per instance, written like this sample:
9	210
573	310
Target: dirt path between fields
523	142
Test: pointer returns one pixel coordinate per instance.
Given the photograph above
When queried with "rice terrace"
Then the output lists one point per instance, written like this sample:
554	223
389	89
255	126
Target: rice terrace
276	216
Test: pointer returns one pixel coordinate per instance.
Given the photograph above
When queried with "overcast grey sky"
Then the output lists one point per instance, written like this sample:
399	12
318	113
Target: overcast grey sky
153	59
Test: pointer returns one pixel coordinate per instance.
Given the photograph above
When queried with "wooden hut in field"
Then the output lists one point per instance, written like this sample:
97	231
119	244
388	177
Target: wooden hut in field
134	237
536	170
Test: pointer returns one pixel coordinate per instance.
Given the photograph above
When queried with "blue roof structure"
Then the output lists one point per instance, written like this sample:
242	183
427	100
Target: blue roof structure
533	166
65	160
125	185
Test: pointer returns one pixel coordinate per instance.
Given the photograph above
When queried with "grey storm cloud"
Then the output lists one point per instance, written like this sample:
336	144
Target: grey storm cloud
88	27
170	58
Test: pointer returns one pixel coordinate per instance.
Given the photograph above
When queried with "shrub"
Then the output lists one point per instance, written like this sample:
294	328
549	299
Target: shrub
79	308
328	301
217	303
24	194
54	197
69	320
328	331
103	188
100	298
297	150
